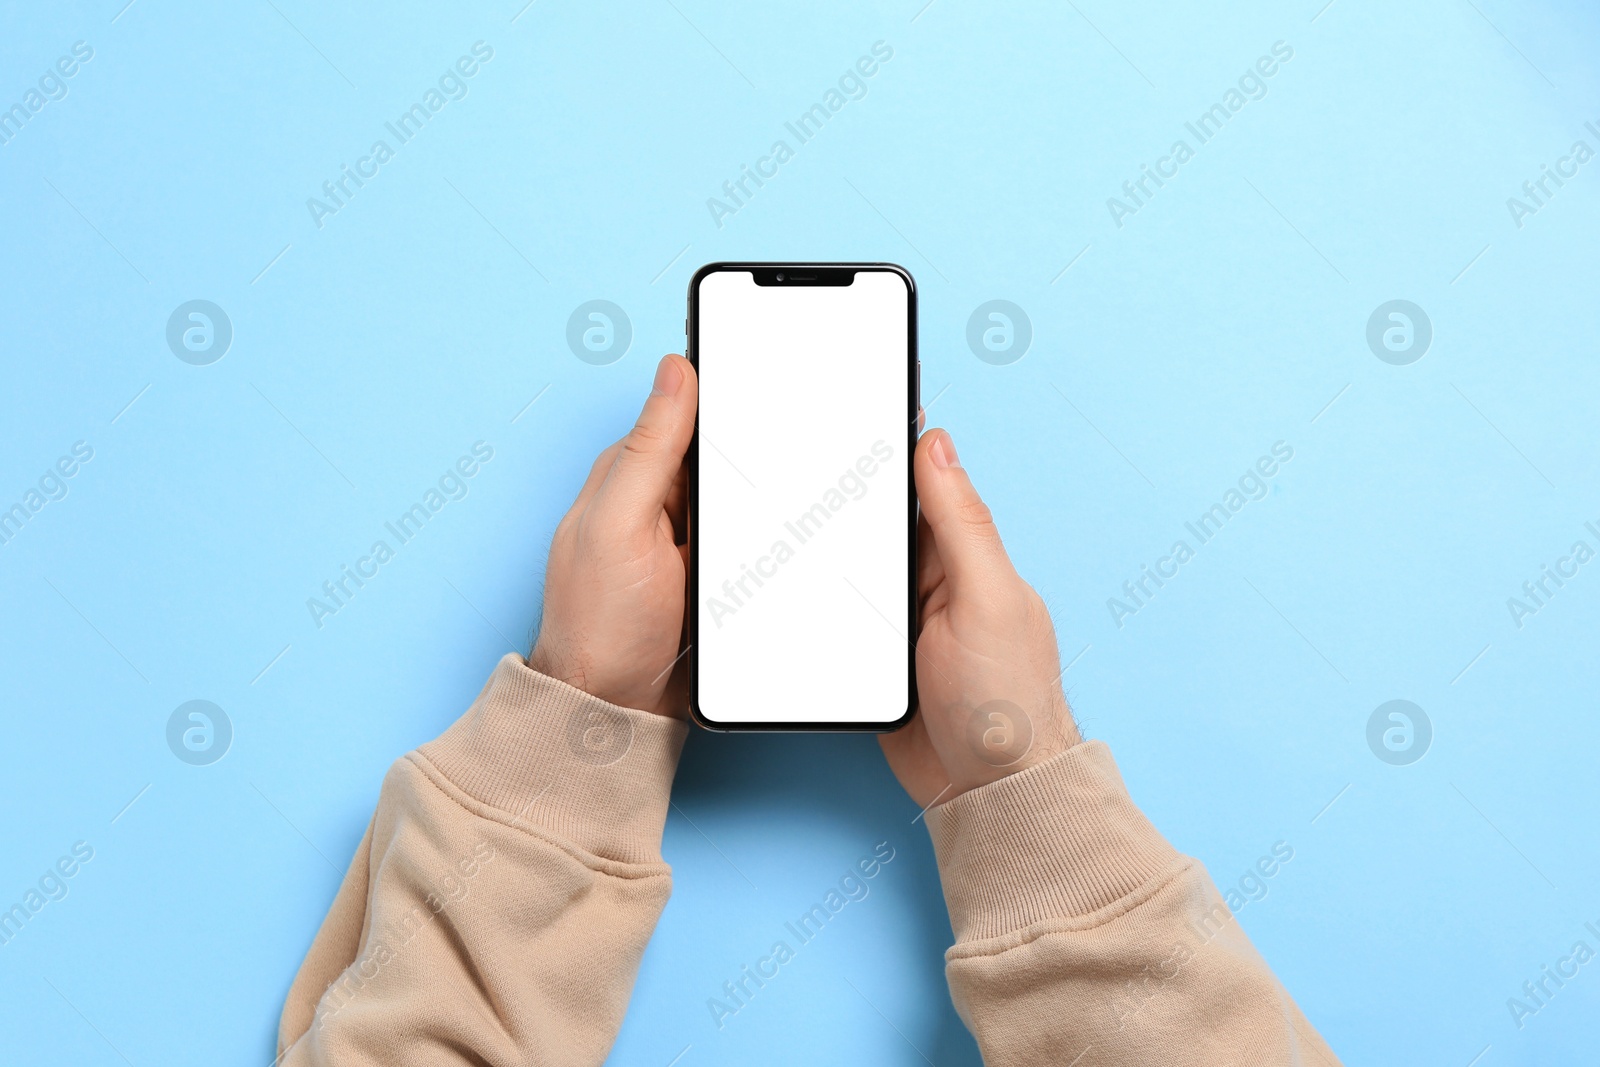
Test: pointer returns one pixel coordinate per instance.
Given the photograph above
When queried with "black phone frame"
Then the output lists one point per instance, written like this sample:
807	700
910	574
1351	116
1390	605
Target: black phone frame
806	274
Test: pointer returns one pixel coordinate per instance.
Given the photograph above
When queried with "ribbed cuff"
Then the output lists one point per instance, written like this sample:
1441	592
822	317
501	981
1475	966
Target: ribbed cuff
582	769
1061	840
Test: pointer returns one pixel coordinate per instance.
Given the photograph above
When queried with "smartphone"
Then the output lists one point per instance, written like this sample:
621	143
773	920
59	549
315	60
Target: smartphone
802	509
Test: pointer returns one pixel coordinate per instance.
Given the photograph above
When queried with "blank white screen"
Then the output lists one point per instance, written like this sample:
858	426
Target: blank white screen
802	520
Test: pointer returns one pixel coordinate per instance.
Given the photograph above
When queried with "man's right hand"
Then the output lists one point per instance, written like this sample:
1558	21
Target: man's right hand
988	670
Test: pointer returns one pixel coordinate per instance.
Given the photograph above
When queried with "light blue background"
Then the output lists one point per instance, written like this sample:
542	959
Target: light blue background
424	316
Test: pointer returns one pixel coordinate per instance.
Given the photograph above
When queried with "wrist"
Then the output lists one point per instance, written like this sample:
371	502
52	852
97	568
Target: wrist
623	687
539	659
551	665
1000	739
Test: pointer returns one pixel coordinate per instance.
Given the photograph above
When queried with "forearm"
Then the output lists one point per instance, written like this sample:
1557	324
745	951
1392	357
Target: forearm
499	904
1078	927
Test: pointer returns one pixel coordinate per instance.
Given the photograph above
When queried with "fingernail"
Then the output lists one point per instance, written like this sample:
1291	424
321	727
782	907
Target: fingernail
944	452
669	376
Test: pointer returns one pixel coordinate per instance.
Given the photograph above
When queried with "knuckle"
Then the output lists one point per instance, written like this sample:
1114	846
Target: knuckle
976	514
644	439
602	463
591	537
567	529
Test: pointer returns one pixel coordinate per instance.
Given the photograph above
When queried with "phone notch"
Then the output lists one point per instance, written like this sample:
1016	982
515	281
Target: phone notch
807	275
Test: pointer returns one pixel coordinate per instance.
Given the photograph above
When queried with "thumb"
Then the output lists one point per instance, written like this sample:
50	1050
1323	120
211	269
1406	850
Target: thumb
963	527
635	489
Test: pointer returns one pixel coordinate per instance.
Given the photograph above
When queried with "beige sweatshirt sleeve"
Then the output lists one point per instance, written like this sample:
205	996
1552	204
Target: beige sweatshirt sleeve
498	905
1083	937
